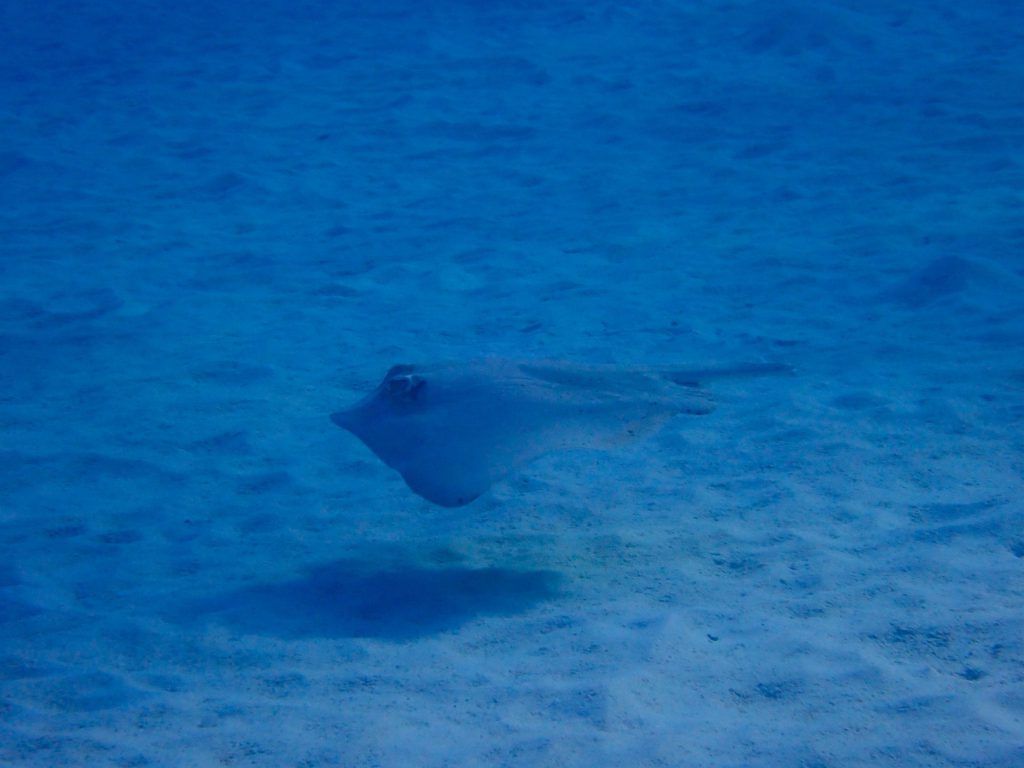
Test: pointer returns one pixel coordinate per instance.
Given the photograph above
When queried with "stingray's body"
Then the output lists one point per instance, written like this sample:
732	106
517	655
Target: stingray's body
452	430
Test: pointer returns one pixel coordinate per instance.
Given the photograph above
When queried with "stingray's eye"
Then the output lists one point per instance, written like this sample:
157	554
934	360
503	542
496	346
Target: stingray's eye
404	386
399	370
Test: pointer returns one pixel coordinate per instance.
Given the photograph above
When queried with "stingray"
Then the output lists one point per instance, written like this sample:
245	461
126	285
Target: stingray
453	430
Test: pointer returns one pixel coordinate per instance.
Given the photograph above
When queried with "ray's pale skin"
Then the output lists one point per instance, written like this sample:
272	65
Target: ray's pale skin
453	430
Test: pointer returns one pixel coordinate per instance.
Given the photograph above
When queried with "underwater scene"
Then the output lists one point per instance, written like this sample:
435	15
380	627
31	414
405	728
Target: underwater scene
512	384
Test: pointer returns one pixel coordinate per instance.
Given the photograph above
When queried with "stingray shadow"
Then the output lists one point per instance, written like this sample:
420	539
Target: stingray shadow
352	598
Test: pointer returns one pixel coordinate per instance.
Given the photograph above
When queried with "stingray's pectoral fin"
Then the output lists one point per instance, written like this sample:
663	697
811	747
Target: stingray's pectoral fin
446	491
342	419
450	481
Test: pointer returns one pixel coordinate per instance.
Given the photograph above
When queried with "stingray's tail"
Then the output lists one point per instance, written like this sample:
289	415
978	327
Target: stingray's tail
694	377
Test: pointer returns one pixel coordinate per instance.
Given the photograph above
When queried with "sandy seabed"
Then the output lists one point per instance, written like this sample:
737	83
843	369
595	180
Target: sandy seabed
222	222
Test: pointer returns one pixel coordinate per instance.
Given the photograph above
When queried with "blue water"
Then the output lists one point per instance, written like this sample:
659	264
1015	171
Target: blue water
222	222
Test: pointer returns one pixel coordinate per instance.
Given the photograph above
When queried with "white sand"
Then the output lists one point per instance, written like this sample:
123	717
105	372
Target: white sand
221	224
